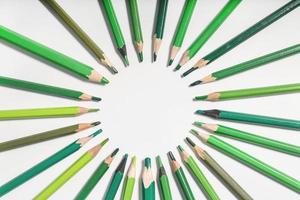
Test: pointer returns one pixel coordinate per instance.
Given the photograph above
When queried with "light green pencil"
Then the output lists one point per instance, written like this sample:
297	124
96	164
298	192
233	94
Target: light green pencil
130	180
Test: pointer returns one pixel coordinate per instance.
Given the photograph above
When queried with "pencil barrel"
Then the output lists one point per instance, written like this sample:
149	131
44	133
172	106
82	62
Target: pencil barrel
165	188
135	18
128	191
161	18
114	186
184	185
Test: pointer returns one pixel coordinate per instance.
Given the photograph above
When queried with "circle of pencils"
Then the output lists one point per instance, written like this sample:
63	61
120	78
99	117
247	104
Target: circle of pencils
116	30
116	180
222	174
44	136
163	180
129	181
243	36
136	28
182	27
44	112
70	172
45	164
251	138
46	89
180	177
251	64
251	92
251	118
96	176
148	184
198	174
159	26
53	56
208	32
249	161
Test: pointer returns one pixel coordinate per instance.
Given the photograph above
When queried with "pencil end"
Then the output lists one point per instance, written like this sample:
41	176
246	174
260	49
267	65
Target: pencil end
147	162
188	72
141	57
179	147
93	109
197	123
104	142
195	83
177	67
154	57
96	123
199	98
159	162
113	70
189	141
114	152
104	81
96	98
170	62
171	156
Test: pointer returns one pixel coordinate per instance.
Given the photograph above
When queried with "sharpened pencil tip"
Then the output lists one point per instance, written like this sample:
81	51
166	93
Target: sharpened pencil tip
133	160
197	123
93	109
141	57
159	162
170	62
113	70
96	98
96	123
96	133
125	58
154	57
190	141
147	162
104	142
114	152
199	112
200	97
180	148
194	132
104	81
188	71
177	67
195	83
171	156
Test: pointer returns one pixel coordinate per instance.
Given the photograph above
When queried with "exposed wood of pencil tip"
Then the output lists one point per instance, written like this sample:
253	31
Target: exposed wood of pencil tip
156	46
202	136
173	53
108	160
147	176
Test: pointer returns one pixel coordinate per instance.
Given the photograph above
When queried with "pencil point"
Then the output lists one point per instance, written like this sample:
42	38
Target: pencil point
190	141
201	97
96	98
96	123
154	57
93	109
147	162
171	156
159	162
104	81
195	83
188	71
96	133
170	62
113	70
114	152
199	112
126	61
180	148
194	132
141	57
177	67
198	123
104	142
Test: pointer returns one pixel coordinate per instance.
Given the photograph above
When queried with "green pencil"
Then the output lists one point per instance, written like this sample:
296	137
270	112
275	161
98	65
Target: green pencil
116	30
251	92
250	161
71	171
198	174
229	182
182	28
251	64
208	32
59	59
46	89
96	176
44	112
243	36
250	138
44	136
148	184
45	164
84	38
129	181
159	26
136	27
250	118
116	180
180	177
163	180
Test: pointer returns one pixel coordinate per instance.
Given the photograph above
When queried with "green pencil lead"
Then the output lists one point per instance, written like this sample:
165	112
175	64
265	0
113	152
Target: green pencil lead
104	81
189	71
126	61
93	109
194	132
199	112
104	142
170	62
154	57
200	97
177	67
159	162
180	148
147	162
96	98
197	123
195	83
190	141
96	133
96	123
114	152
141	57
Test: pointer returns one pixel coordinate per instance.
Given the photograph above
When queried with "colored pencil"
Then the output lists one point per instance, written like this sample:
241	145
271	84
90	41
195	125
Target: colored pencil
136	28
250	64
229	182
163	181
44	112
198	174
129	181
116	30
251	92
71	171
182	27
45	164
251	118
250	138
148	184
180	178
46	89
159	26
65	62
84	38
44	136
96	176
250	161
116	180
243	36
210	29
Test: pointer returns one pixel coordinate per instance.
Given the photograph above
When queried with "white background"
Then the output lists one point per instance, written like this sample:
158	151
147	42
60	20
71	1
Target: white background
147	109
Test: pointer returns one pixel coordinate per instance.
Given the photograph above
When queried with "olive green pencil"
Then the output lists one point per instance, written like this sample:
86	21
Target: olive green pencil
96	176
251	92
46	89
251	64
148	184
88	42
198	174
251	118
163	180
250	161
180	177
129	181
44	136
44	112
182	27
46	53
71	171
136	27
229	182
116	180
250	138
243	36
116	30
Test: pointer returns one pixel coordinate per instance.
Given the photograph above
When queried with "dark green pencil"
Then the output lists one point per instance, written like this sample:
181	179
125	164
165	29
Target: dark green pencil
243	36
163	180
